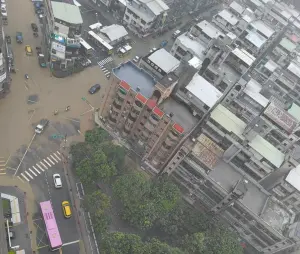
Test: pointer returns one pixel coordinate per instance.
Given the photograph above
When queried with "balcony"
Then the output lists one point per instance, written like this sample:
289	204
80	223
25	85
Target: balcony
149	126
111	119
169	142
173	136
122	93
116	107
132	116
138	106
153	119
118	102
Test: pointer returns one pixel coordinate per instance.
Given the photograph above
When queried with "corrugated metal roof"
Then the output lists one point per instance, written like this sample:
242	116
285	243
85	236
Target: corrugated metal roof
209	29
253	89
237	7
228	120
293	177
262	28
256	39
295	69
114	32
67	12
244	56
287	44
294	110
267	150
164	60
228	16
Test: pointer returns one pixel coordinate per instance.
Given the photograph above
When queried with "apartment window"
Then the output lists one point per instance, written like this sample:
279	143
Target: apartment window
134	22
143	22
126	17
181	51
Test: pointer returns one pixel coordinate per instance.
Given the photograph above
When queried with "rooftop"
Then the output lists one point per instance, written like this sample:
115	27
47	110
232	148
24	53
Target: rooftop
294	110
267	150
204	90
294	68
168	79
287	44
164	60
228	16
293	178
195	62
209	29
271	65
196	47
136	78
156	6
66	12
228	120
237	7
256	39
181	114
244	56
253	89
114	32
264	29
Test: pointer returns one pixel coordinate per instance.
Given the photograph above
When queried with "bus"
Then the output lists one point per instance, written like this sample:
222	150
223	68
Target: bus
106	47
52	231
85	47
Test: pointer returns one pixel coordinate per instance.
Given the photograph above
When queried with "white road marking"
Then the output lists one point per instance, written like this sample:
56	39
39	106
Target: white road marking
57	156
69	243
28	174
50	160
40	167
44	165
54	158
20	179
47	163
36	169
32	171
25	177
58	152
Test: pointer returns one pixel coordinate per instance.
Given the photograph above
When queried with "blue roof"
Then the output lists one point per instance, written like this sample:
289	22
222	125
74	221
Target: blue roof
136	78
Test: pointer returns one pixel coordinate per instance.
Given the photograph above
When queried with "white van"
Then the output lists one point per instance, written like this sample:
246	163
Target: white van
175	34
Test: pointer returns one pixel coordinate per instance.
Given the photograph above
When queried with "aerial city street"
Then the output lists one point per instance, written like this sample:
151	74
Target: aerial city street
150	126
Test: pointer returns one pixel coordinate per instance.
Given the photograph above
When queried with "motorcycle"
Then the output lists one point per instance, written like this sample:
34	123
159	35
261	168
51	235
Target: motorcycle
26	76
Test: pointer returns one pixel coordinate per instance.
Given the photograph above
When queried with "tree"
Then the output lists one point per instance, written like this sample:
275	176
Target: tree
115	154
79	152
157	247
121	243
97	201
96	136
100	221
220	240
194	244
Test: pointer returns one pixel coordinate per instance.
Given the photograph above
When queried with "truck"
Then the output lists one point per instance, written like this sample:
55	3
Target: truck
19	37
42	61
41	126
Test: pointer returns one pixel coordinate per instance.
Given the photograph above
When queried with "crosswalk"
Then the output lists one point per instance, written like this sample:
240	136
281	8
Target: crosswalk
2	166
40	167
102	63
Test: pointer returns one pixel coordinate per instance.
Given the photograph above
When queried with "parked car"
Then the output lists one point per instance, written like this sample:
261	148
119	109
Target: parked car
94	89
28	50
19	37
66	209
57	181
42	61
41	126
34	27
3	10
136	59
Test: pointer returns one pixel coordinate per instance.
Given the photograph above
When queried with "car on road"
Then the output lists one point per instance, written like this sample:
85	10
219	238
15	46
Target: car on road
94	89
57	181
66	209
28	50
42	61
41	126
3	10
34	27
136	59
19	37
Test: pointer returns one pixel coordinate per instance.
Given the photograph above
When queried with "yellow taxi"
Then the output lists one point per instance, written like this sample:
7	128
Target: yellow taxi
66	209
28	50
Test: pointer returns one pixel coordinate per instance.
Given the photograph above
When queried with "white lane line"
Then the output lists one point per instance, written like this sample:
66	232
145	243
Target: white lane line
50	160
36	169
58	152
32	171
25	177
69	243
20	179
28	174
53	158
40	167
44	165
57	156
47	163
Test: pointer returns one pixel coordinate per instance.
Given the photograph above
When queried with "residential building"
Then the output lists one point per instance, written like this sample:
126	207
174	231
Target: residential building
144	16
113	34
62	31
4	71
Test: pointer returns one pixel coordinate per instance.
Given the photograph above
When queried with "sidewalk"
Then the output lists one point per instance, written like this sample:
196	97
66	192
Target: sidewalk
6	180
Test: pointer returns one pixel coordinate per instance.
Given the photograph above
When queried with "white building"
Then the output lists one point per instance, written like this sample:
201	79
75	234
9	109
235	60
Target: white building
142	15
113	34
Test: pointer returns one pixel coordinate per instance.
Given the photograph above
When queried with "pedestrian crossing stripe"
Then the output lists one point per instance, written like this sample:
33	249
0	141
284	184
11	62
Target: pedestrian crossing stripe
50	160
32	171
20	179
57	156
25	177
28	174
40	167
36	169
53	158
47	163
105	61
44	165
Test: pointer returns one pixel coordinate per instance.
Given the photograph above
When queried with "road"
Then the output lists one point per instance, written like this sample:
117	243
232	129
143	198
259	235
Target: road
22	109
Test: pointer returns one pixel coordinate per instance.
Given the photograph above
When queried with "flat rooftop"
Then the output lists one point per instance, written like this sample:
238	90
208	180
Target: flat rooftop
228	16
164	60
263	28
194	46
67	12
136	78
209	29
181	113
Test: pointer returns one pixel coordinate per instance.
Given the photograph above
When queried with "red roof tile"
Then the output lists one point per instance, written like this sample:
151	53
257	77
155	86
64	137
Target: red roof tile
141	98
151	103
178	128
158	112
125	85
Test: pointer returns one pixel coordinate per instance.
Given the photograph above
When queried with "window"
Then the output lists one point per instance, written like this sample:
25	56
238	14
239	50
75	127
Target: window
126	17
143	22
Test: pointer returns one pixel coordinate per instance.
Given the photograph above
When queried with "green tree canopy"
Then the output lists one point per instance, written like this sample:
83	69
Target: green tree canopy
96	136
79	151
194	244
97	201
157	247
115	154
